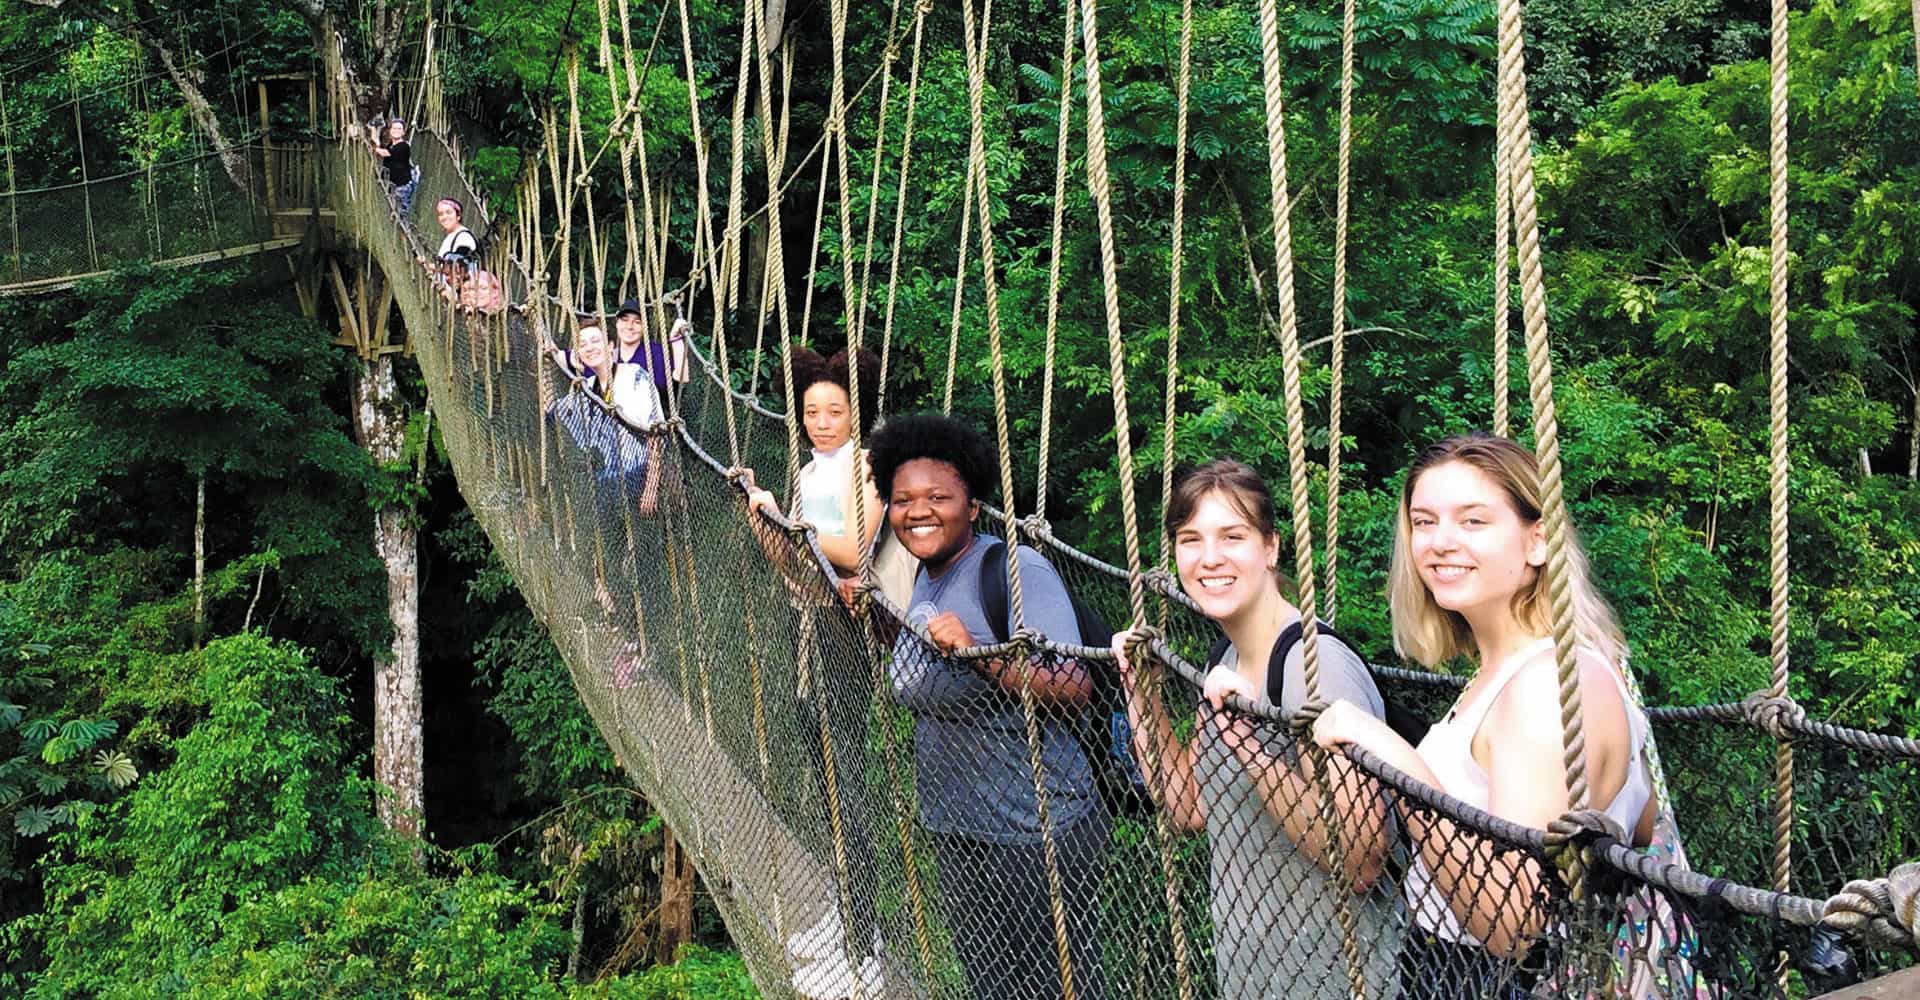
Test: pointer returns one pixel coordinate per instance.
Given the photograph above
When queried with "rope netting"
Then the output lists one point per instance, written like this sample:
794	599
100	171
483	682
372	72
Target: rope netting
876	817
181	212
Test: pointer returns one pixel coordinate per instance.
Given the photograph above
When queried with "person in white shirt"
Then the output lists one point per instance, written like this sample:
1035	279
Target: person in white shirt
1468	581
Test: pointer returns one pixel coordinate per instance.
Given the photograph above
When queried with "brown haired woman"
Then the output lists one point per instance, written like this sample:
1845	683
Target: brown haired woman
1467	581
1275	912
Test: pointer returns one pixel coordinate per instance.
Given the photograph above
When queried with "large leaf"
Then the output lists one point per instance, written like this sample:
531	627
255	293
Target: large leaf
116	767
34	820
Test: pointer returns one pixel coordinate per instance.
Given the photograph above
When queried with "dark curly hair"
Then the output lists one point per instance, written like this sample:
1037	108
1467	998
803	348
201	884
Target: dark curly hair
810	368
930	435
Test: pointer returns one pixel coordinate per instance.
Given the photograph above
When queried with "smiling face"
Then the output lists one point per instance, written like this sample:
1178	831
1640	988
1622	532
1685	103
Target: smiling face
447	215
591	345
629	328
1226	563
828	415
1471	547
931	512
396	130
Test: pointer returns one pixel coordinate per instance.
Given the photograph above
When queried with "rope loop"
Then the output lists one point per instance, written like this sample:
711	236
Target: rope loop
1306	715
737	475
1570	844
1024	640
1885	911
1035	526
1772	714
1141	638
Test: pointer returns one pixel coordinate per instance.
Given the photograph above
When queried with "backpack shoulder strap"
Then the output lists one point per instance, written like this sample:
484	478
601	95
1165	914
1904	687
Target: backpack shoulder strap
1218	651
993	588
1290	637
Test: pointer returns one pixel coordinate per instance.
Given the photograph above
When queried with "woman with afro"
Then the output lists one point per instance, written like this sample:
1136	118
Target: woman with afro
974	771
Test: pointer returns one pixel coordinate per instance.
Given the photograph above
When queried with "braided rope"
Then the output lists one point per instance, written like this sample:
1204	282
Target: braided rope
920	10
1884	911
1502	278
1777	462
959	292
1183	81
1053	260
1281	205
976	58
1100	187
1338	363
859	312
1546	426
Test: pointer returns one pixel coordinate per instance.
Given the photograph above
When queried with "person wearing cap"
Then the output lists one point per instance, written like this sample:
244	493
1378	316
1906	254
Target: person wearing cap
666	362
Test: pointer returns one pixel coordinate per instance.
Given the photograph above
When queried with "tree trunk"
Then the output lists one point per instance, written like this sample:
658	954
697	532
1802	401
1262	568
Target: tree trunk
676	899
200	560
1913	440
380	424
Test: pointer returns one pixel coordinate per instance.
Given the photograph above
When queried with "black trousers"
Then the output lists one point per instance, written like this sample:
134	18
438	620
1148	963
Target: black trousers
998	905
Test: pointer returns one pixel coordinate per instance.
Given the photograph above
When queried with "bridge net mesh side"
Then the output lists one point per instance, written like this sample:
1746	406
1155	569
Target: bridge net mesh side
179	211
824	768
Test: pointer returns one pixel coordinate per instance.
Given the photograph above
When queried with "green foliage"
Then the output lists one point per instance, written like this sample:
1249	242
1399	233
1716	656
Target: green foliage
165	380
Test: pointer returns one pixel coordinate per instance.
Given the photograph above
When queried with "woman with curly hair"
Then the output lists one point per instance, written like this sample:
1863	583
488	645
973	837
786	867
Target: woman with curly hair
975	777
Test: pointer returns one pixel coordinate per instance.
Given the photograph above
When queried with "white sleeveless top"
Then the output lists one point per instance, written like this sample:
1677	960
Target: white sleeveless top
1448	750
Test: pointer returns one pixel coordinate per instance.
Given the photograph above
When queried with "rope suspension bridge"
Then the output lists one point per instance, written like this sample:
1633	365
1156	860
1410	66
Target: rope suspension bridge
757	712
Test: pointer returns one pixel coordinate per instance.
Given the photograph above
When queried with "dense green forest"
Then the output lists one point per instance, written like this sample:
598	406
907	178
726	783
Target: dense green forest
186	801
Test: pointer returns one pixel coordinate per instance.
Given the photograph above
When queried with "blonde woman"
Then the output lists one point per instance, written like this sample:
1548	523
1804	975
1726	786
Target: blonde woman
1468	581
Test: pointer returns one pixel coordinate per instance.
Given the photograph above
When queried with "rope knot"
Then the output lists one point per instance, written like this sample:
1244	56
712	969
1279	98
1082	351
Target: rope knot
1772	714
1885	911
1306	715
1570	842
1036	525
1160	580
1140	638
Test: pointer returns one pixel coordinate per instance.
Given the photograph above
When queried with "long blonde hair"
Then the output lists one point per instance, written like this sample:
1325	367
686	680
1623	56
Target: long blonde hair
1429	634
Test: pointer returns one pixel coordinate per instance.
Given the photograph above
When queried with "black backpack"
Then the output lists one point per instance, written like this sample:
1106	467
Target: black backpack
1410	726
1105	734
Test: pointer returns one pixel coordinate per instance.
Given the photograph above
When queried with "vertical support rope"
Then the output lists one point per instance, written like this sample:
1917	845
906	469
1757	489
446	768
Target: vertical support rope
1100	187
959	293
1053	261
1777	459
920	10
1338	363
859	311
1502	277
1281	205
86	186
1546	425
13	184
1176	260
976	58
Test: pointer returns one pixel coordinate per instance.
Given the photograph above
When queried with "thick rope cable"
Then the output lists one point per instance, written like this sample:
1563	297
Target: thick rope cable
959	294
1099	185
976	59
858	313
1502	277
920	10
1281	205
1060	148
1777	460
1546	425
1337	365
1175	264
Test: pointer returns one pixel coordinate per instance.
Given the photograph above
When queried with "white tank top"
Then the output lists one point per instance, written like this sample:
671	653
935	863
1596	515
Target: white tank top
1448	750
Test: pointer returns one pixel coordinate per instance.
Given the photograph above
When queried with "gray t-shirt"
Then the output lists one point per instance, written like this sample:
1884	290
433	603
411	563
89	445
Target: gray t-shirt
975	776
1276	918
